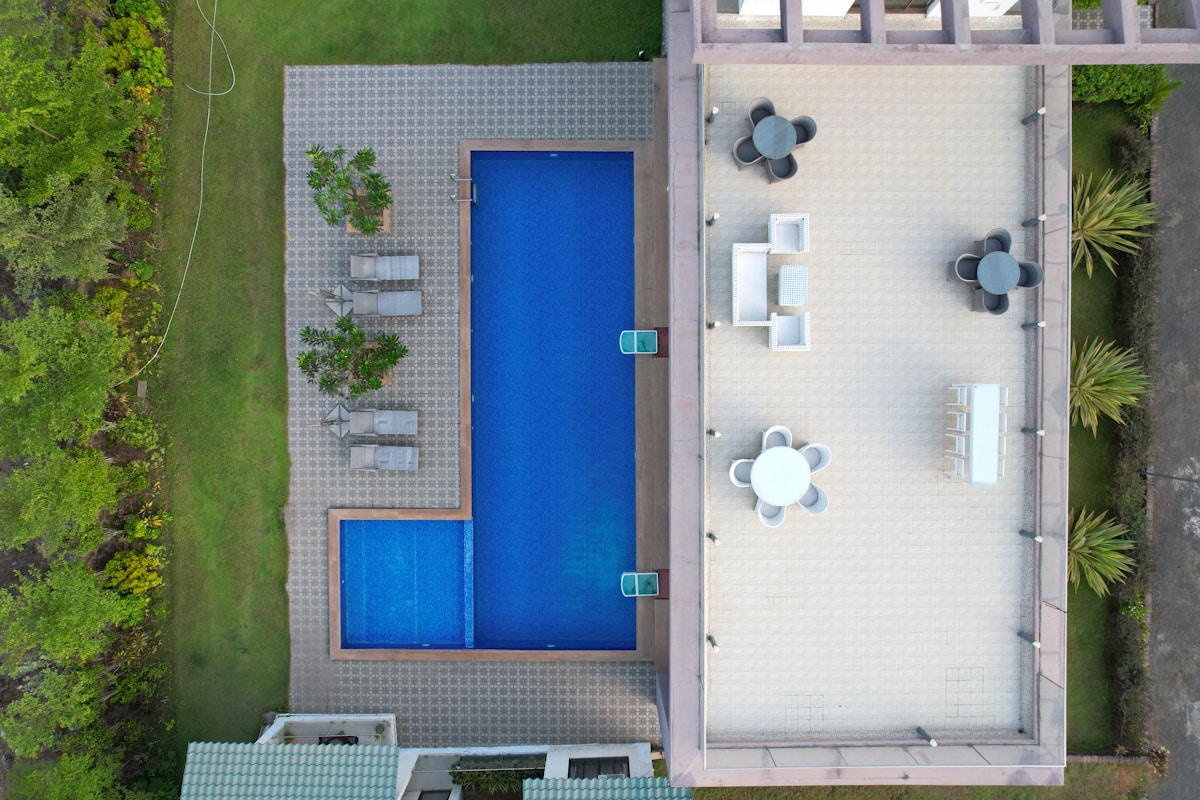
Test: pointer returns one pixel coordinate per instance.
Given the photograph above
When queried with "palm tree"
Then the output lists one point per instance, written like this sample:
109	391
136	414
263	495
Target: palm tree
1106	216
1104	377
1097	550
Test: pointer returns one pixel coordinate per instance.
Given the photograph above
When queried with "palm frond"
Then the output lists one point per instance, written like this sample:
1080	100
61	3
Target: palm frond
1097	550
1107	215
1104	378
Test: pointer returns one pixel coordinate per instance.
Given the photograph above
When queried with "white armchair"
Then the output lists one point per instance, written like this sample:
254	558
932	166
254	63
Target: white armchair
788	333
788	233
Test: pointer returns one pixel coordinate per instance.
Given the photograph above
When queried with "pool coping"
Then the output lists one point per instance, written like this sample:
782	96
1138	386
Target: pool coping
642	151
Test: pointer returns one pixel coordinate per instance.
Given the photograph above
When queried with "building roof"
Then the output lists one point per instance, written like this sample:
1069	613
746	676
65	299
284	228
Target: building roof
603	789
226	771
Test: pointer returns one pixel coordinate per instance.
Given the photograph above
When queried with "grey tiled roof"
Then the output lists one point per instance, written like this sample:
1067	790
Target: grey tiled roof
603	789
225	771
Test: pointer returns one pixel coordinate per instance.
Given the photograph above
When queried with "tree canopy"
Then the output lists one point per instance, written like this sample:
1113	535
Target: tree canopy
56	368
65	615
57	500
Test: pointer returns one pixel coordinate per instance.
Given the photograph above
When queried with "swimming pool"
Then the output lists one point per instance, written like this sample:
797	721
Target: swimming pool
552	441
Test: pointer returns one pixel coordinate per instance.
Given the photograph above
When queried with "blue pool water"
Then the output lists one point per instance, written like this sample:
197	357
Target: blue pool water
553	430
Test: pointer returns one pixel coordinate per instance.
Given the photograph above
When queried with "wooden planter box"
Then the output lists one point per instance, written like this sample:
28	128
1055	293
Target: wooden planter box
387	221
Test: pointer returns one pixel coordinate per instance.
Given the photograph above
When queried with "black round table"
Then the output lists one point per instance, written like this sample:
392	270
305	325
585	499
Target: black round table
774	136
998	272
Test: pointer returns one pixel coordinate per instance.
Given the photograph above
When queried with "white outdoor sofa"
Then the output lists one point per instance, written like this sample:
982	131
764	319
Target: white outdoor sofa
750	284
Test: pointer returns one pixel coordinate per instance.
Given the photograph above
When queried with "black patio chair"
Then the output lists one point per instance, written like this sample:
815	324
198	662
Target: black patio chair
745	153
759	109
991	303
1031	274
966	268
806	129
780	169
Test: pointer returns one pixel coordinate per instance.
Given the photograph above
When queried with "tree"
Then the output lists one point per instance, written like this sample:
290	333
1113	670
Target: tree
68	236
63	114
64	616
1104	378
348	190
1107	214
57	700
58	499
87	769
343	363
1097	550
56	365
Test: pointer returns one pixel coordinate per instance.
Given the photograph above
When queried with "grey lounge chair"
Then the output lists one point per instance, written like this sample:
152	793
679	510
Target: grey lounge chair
1031	274
966	268
997	239
389	422
806	129
373	457
370	267
759	109
370	422
991	303
780	169
745	153
374	304
769	515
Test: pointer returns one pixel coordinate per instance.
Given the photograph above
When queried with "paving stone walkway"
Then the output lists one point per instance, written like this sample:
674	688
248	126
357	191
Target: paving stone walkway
414	117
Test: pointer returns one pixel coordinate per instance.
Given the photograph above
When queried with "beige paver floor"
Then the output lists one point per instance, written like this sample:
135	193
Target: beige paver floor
901	605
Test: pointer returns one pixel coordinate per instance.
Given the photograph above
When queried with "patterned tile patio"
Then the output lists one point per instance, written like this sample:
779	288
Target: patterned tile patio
414	117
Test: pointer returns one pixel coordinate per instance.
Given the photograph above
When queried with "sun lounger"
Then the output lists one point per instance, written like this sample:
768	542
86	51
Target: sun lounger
373	457
371	422
389	422
370	267
374	304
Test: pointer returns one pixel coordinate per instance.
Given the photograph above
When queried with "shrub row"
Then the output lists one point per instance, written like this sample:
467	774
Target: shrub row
81	673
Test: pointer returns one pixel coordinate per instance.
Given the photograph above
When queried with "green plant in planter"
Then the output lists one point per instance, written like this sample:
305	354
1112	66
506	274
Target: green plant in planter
1104	379
1097	550
1107	214
343	363
348	190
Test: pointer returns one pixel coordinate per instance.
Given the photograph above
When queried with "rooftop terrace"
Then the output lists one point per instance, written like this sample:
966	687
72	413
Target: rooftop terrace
900	605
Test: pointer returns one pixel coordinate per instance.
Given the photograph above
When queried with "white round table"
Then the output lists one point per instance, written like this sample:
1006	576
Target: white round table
780	476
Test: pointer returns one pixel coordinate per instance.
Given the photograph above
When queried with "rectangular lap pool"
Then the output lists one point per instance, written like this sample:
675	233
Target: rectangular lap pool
552	432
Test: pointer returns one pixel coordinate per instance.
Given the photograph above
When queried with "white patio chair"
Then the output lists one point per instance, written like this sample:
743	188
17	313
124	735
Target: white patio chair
817	455
958	421
788	333
739	472
958	467
960	444
815	500
788	233
776	436
769	515
961	392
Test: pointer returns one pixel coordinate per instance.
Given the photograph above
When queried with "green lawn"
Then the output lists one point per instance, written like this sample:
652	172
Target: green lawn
1083	782
1092	131
1093	302
222	380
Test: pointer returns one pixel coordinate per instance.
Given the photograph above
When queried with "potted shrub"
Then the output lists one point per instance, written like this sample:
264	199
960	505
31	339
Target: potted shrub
342	363
350	192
